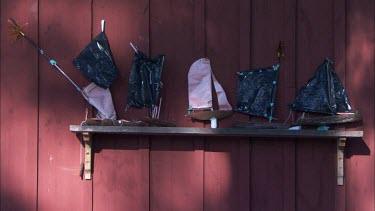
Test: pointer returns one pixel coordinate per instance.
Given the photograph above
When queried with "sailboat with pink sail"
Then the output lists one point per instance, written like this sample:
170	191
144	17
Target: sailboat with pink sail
200	80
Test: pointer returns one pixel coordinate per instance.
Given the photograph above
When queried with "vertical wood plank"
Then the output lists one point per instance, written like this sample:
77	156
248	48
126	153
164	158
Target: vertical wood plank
223	40
176	174
360	64
199	28
315	161
244	174
222	175
244	63
176	32
1	41
121	173
289	174
176	165
273	22
121	177
226	163
339	29
316	175
19	110
126	21
64	29
273	163
272	176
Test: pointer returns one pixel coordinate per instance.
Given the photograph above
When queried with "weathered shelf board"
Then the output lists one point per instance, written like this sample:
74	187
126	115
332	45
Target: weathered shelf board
240	132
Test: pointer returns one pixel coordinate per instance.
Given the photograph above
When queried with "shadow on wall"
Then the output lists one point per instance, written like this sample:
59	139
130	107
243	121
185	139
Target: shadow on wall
11	199
203	171
356	146
12	202
360	69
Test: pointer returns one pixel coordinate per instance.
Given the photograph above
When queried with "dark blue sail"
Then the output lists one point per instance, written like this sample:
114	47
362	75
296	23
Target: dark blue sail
324	93
256	91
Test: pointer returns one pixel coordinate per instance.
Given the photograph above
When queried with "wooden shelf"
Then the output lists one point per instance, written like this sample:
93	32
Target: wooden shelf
233	132
339	136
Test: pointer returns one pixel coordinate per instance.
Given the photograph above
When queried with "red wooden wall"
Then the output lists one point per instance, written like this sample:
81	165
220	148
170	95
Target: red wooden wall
40	158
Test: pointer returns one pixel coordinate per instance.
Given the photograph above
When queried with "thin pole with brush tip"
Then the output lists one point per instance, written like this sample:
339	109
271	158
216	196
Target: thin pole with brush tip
18	33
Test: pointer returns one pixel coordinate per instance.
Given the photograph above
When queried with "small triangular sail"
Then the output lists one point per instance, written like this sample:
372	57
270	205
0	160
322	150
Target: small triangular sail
257	91
324	93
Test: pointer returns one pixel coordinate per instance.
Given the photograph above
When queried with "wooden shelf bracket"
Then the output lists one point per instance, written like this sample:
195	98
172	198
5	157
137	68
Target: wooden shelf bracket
87	138
340	160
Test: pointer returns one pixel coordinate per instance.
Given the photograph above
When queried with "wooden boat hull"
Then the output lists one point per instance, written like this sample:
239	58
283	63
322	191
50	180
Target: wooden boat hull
207	115
330	120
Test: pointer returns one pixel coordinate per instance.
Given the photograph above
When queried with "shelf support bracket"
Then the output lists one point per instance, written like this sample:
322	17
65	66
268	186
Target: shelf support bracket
87	138
340	160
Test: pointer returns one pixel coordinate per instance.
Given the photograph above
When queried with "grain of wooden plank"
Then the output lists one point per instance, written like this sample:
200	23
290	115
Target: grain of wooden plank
176	173
272	174
64	30
199	29
222	175
272	23
126	21
19	110
315	163
121	173
244	63
223	40
121	169
316	181
226	166
289	173
176	169
244	174
339	28
360	64
172	32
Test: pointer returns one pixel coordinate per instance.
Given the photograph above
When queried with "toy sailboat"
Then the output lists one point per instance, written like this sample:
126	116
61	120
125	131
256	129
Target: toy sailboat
200	79
257	91
144	86
256	95
324	94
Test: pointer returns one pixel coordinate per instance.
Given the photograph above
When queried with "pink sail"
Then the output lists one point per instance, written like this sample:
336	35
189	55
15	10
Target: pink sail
101	99
200	87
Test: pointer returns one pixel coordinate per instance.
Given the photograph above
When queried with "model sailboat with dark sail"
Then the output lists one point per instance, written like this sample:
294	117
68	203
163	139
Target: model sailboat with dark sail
324	93
145	82
144	86
256	95
257	91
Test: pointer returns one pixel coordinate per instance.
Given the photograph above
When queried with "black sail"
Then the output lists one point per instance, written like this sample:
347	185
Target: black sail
256	91
323	93
145	80
96	62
